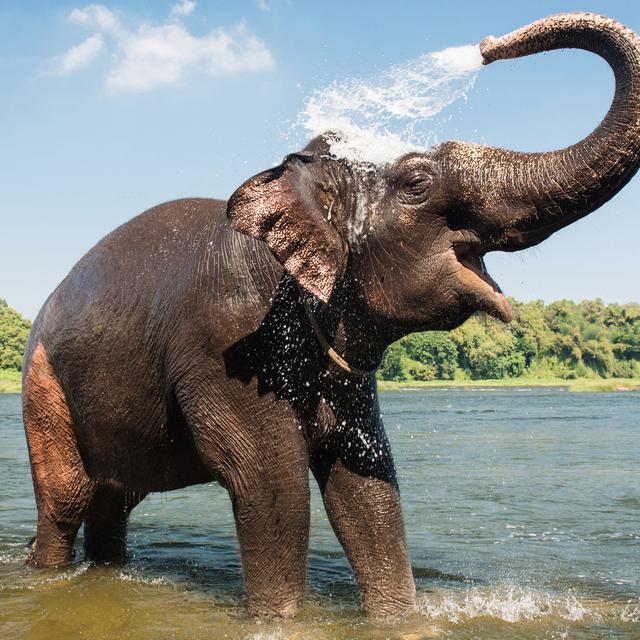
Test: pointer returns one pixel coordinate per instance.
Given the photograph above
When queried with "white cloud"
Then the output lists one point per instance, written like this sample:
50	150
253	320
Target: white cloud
263	5
96	15
161	56
183	8
153	56
80	56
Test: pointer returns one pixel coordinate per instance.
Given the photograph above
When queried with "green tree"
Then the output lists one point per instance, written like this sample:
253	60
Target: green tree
598	355
436	350
533	336
488	349
14	331
624	329
392	367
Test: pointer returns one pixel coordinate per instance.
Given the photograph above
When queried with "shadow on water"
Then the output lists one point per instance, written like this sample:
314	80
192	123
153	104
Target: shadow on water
425	573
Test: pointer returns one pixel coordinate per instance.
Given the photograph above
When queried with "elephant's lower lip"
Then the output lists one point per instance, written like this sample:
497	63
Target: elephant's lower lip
500	307
490	296
476	264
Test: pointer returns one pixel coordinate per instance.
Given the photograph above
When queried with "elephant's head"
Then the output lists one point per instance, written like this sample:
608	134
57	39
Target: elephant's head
407	240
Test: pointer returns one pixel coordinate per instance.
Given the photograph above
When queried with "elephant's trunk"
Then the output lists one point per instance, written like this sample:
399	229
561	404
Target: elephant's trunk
535	194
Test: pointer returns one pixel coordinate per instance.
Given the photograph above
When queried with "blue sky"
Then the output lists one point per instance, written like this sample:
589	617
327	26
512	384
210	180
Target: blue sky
93	133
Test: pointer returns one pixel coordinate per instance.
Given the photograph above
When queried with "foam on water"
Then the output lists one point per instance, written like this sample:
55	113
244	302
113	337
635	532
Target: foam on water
133	576
511	603
29	581
379	118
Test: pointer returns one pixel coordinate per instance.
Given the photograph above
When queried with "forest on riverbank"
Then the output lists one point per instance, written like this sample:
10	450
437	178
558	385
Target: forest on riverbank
563	340
14	331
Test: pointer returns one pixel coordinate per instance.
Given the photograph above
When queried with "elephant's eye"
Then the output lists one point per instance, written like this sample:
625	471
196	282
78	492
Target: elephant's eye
415	186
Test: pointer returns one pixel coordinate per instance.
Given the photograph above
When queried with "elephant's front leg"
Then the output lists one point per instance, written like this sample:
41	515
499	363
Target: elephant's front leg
366	516
259	453
357	479
272	521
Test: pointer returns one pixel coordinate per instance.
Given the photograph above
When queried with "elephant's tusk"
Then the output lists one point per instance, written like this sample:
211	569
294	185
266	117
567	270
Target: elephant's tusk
327	348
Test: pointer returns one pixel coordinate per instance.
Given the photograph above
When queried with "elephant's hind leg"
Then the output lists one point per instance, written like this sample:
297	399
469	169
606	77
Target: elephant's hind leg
105	525
62	488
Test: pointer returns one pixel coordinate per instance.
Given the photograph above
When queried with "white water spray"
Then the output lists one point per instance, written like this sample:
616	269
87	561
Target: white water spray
378	118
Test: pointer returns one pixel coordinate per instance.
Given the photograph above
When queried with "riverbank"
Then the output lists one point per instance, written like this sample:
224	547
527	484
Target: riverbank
578	385
10	381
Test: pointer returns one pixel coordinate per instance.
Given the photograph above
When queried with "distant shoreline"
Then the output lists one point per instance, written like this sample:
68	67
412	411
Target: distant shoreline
11	382
577	385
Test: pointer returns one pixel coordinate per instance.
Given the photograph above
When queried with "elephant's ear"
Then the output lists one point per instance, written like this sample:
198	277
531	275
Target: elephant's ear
284	207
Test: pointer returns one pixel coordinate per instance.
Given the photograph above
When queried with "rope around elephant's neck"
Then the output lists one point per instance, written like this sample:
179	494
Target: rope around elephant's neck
327	348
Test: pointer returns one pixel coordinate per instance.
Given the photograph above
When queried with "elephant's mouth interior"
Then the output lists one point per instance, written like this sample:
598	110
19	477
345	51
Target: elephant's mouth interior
474	274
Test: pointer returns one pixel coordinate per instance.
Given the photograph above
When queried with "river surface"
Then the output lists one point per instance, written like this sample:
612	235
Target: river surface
522	509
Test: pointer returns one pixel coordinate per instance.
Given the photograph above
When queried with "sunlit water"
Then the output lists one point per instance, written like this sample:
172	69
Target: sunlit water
522	510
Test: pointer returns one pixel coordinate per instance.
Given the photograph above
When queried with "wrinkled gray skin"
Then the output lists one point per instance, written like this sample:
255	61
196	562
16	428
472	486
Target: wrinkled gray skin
178	351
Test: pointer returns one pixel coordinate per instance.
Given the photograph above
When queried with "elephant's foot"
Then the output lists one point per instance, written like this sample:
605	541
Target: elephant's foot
53	546
380	605
280	609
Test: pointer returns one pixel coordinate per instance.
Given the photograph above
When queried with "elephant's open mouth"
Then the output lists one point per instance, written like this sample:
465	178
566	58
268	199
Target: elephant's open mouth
474	275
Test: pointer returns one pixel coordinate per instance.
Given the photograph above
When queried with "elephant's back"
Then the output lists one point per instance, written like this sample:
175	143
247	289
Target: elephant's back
175	255
134	262
122	279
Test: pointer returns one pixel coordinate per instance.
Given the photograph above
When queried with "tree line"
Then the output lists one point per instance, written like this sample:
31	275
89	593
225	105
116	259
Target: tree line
563	339
14	331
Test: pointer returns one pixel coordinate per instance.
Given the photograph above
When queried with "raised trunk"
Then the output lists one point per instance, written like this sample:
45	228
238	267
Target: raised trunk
531	195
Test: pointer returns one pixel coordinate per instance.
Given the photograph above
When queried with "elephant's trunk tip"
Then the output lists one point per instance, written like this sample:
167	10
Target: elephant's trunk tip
488	49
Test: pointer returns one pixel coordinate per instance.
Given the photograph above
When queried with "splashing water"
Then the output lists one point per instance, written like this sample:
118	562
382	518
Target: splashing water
378	118
507	603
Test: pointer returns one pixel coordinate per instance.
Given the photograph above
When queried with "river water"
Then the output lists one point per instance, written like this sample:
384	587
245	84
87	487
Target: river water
522	509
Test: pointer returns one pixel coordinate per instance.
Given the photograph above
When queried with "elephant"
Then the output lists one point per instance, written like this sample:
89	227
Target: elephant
238	341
